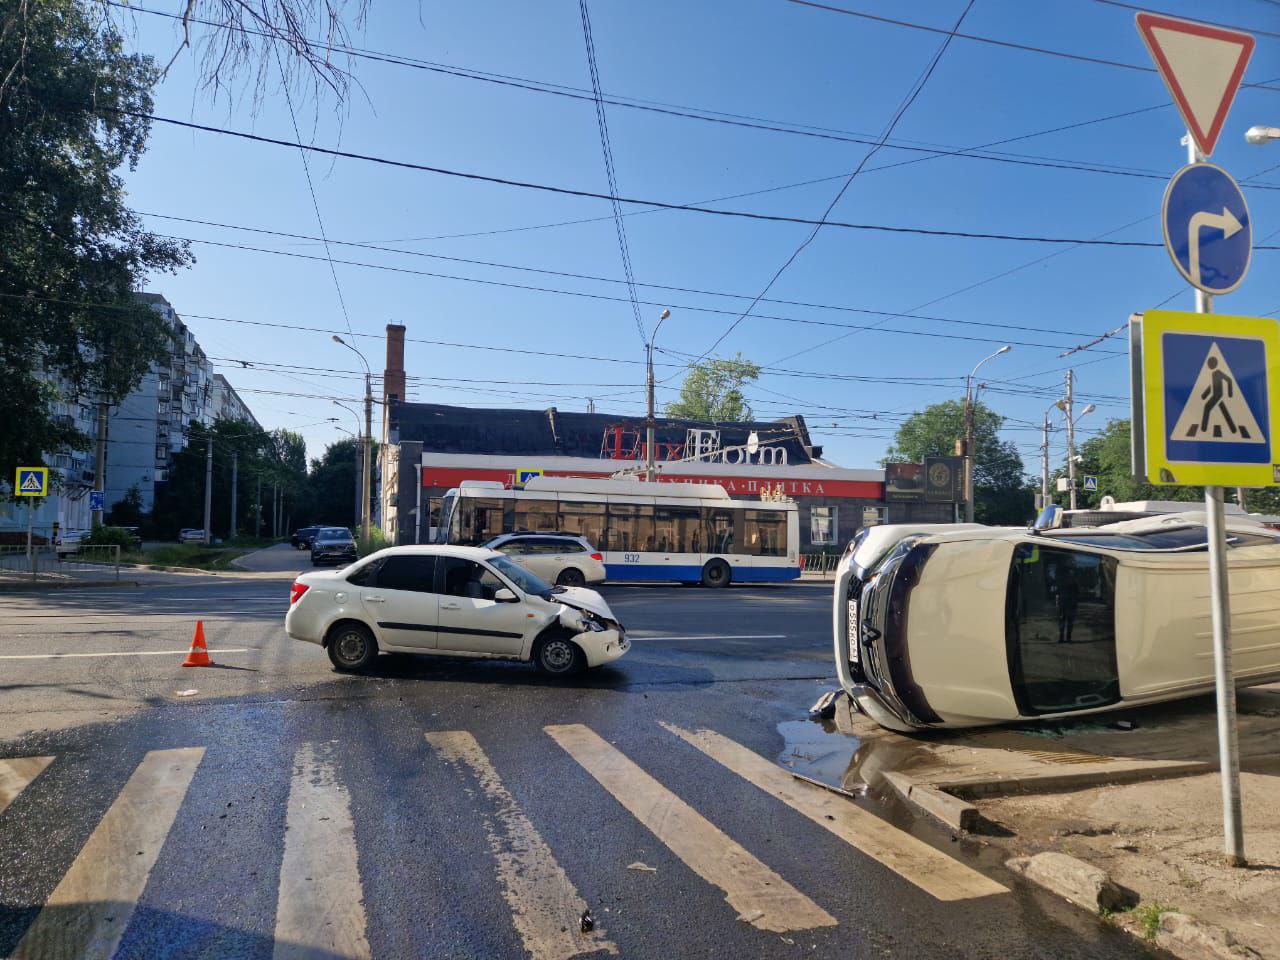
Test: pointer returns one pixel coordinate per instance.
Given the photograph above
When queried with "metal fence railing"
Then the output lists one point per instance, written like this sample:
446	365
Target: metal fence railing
823	564
87	561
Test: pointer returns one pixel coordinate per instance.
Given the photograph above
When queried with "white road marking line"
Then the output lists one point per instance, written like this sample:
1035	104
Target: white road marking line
761	897
119	653
89	910
912	859
320	905
714	636
545	905
15	774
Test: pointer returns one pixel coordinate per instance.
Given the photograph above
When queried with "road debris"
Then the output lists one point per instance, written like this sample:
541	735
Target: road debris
825	708
642	867
588	921
185	693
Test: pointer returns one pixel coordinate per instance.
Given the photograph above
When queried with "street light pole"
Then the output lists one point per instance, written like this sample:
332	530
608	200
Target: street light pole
367	445
1044	460
650	468
968	433
1071	438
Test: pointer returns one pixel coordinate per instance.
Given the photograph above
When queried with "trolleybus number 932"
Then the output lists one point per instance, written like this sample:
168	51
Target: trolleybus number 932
631	558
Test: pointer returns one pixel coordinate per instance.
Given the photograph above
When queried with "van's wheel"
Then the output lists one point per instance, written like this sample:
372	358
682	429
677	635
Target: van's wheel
351	647
716	574
571	577
558	656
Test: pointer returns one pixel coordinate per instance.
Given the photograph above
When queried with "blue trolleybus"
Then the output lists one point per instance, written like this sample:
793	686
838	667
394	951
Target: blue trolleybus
691	533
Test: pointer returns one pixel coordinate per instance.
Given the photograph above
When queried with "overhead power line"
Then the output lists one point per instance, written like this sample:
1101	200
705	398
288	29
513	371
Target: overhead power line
653	286
1009	44
606	148
903	107
593	195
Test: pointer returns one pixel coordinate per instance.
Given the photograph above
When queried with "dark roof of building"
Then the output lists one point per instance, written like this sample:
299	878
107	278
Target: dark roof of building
551	432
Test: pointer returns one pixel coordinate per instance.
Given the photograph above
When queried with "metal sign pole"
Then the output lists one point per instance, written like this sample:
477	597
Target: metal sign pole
1220	604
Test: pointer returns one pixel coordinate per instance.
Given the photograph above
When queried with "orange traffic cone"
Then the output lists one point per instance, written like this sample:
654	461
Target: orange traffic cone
199	655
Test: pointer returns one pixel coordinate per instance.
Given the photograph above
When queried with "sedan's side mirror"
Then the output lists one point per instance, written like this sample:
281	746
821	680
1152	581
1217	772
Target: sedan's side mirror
504	595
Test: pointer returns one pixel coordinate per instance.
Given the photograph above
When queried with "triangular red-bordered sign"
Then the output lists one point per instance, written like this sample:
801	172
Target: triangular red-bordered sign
1201	65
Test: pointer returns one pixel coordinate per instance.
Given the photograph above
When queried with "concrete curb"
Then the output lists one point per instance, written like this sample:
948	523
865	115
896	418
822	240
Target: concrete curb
955	813
1060	782
65	584
1193	939
1074	880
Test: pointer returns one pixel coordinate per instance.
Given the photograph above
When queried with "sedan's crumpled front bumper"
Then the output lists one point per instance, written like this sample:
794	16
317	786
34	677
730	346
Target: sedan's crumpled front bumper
603	646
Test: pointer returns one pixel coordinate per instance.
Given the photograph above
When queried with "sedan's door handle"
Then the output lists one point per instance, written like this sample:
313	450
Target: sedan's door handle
376	599
450	606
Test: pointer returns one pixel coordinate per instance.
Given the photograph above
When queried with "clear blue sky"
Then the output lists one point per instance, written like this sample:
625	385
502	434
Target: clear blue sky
765	59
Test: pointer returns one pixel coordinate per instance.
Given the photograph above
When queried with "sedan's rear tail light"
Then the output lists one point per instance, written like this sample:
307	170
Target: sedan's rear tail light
296	592
598	557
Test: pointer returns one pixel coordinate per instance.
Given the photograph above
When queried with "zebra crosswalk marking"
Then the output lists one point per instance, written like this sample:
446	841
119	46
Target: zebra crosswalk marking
89	910
545	905
912	859
761	897
16	774
320	904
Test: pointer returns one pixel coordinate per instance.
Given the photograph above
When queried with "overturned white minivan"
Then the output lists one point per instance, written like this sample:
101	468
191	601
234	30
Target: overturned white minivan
962	626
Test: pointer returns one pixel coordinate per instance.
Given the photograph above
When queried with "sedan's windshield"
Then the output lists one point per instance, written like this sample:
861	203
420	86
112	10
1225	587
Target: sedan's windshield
521	577
334	533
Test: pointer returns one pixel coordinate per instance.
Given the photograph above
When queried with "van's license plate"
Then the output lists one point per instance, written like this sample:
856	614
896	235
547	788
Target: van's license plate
855	634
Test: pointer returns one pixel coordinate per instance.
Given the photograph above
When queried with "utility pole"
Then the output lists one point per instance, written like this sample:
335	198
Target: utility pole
208	488
1071	437
650	468
257	511
100	460
1044	463
275	511
367	466
235	474
967	444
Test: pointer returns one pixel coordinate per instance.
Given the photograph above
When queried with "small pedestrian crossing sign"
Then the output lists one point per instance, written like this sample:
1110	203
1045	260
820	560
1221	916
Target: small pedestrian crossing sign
523	476
1090	484
32	482
1210	390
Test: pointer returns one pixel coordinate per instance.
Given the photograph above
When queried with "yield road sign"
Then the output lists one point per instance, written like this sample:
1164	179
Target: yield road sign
32	482
1207	230
1091	484
1208	396
1202	66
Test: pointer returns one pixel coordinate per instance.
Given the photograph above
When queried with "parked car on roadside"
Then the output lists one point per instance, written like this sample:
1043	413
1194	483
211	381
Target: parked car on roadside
333	545
452	601
301	539
68	542
562	558
189	535
965	627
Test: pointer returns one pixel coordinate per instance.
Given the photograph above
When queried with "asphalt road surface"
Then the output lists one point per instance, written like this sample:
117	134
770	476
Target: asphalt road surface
454	809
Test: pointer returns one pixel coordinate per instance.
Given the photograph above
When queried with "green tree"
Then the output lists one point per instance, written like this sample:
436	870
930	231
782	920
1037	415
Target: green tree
1108	456
72	112
333	482
127	511
712	391
1000	490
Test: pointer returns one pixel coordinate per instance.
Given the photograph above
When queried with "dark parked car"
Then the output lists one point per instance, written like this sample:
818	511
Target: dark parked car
333	545
301	539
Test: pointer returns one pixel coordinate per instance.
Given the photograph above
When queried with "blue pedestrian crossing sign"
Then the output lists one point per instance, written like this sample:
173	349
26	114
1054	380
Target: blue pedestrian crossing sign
32	482
1207	230
1090	484
97	500
523	476
1209	392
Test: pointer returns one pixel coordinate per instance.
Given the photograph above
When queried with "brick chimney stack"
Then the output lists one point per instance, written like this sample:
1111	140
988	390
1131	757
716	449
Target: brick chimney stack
393	376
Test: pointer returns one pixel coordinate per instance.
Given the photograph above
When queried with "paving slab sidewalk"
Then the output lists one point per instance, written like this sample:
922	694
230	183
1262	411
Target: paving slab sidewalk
1142	803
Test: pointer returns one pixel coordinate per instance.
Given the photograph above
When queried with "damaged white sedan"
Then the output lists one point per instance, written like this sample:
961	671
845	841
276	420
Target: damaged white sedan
454	602
960	627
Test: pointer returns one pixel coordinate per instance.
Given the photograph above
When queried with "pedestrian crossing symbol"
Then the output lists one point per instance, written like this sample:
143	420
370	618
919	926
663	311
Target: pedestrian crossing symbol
523	476
1090	484
32	482
1209	396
